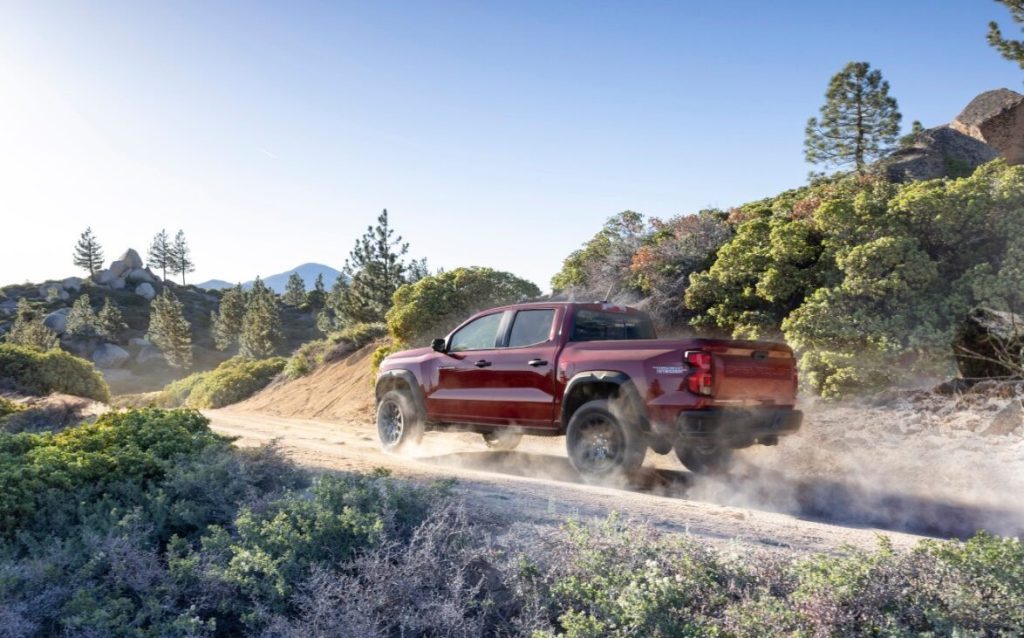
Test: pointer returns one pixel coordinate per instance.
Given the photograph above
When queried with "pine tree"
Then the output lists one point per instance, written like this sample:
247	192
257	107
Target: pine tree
316	297
908	140
169	330
859	121
1012	50
88	253
331	317
261	326
375	270
295	290
179	260
28	329
227	321
82	321
111	324
160	252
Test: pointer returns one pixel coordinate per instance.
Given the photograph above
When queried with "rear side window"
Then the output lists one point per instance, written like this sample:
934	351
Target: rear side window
531	327
479	334
598	325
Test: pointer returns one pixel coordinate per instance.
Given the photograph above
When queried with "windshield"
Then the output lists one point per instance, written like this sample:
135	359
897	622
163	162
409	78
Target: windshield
600	325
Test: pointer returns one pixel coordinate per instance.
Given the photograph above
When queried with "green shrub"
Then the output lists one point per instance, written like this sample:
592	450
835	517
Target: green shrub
313	354
435	304
8	407
41	373
234	380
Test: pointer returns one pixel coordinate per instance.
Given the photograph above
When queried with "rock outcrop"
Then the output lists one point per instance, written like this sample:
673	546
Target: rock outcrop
938	152
53	291
997	119
57	321
145	290
127	269
109	355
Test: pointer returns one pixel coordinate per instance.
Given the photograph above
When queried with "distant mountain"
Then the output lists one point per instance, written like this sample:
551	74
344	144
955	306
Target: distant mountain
277	282
215	284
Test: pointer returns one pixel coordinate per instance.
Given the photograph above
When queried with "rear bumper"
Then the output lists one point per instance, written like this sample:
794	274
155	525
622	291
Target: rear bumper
734	427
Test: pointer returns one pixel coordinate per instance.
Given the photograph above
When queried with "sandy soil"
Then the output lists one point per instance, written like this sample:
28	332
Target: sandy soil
914	467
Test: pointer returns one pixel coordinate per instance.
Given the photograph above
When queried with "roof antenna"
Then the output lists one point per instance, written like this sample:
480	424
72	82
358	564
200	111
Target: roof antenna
608	295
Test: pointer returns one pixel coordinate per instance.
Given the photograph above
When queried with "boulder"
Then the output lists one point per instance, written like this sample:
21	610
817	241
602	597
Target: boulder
53	291
140	275
72	284
131	259
139	342
997	119
149	354
145	290
1006	421
118	268
103	277
57	320
118	283
109	355
8	307
938	152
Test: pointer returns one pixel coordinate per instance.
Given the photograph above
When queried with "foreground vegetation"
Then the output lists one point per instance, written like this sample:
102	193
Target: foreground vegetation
36	372
111	529
234	380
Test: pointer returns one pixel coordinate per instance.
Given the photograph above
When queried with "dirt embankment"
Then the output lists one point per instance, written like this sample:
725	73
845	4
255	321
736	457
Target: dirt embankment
339	391
919	464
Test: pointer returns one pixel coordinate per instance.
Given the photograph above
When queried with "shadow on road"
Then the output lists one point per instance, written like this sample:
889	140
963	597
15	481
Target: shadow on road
828	501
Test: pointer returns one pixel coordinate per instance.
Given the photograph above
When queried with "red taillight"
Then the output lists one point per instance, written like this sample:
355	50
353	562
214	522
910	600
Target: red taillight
701	379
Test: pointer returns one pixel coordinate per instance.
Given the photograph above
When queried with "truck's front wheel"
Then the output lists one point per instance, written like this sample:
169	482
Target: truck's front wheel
599	444
399	421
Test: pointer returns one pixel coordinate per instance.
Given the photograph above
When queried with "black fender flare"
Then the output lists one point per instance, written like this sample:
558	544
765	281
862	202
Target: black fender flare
625	388
393	378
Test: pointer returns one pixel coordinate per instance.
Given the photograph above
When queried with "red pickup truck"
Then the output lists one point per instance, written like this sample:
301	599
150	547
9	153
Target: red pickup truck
596	373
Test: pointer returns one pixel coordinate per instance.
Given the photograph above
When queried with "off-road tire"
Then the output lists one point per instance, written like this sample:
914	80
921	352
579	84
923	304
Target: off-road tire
600	444
502	441
399	421
706	459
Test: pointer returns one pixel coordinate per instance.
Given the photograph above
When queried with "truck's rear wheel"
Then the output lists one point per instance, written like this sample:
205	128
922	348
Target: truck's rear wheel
599	444
399	421
705	458
502	440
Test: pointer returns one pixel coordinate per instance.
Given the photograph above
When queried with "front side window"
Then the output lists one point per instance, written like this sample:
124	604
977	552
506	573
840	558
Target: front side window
479	334
531	327
600	325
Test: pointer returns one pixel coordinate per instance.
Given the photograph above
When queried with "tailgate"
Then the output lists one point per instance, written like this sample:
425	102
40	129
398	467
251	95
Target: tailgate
763	373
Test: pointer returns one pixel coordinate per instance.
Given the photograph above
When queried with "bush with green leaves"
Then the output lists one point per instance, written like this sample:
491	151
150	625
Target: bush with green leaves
40	373
234	380
435	304
314	354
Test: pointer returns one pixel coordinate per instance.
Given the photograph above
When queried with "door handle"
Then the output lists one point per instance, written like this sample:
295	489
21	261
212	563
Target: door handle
536	363
483	363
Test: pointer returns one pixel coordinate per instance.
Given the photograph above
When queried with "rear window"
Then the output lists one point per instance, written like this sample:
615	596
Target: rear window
600	325
531	327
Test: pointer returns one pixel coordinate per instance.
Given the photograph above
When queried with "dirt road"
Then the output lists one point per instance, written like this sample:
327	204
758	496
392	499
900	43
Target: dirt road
535	484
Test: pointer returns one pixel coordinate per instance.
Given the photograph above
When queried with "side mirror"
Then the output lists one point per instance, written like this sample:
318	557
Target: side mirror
438	345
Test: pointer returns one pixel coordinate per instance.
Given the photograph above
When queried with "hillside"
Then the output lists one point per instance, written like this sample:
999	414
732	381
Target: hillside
341	391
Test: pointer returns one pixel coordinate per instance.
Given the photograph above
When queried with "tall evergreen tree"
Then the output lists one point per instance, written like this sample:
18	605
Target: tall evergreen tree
316	297
111	325
160	252
28	329
169	330
859	120
295	290
1012	50
179	258
261	326
375	269
227	320
331	317
88	253
82	321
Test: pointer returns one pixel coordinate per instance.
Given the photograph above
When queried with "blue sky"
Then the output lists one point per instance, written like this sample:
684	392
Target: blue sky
497	134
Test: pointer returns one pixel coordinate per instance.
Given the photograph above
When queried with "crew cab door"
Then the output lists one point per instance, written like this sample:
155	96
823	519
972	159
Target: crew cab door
500	370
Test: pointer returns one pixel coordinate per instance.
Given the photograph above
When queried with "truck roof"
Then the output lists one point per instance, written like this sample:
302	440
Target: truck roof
593	305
